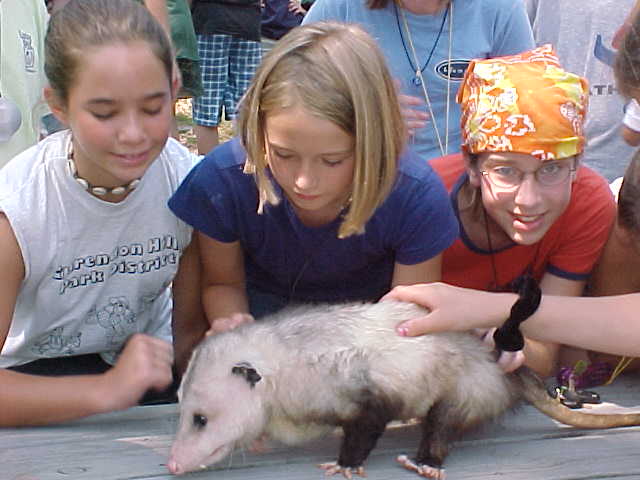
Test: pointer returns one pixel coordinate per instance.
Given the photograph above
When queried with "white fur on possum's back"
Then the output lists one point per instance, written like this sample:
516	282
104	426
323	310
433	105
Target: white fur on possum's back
314	360
341	342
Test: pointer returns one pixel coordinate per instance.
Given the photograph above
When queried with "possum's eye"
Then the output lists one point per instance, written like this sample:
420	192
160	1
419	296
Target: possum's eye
199	421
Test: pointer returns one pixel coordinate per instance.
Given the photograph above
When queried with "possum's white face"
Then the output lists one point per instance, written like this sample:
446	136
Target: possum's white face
218	413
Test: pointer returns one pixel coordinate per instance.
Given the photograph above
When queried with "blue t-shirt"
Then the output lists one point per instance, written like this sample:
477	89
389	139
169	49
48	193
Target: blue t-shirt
481	29
284	257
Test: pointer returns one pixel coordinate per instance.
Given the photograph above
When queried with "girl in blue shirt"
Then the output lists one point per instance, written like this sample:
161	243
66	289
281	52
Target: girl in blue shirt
317	201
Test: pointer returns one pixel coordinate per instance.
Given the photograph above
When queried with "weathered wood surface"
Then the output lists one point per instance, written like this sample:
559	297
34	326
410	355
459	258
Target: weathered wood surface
133	445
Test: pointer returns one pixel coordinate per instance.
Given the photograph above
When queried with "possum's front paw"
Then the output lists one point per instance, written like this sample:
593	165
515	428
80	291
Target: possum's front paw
331	468
426	471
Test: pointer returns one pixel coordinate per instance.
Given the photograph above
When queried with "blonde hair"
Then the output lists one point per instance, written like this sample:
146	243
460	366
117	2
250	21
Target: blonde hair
337	72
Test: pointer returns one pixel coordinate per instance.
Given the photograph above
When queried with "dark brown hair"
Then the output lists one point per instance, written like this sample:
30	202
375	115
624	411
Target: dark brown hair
629	197
83	24
627	64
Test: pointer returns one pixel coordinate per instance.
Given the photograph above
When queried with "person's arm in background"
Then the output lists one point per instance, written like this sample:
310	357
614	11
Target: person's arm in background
559	319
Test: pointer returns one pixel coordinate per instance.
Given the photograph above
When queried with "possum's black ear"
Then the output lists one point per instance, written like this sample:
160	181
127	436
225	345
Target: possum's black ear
248	372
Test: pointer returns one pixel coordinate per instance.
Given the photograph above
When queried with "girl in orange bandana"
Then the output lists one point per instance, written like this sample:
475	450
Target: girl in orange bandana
525	205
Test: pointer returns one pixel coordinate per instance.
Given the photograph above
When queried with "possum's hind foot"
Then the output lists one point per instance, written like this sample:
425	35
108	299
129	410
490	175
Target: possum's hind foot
426	471
331	468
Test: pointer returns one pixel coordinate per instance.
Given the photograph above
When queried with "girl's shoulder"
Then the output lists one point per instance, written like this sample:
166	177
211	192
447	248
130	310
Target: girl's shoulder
45	156
221	169
180	161
417	184
177	159
591	209
590	185
414	166
449	168
591	197
227	155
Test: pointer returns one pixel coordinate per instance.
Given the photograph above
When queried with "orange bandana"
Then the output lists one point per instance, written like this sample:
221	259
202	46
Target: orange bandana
523	103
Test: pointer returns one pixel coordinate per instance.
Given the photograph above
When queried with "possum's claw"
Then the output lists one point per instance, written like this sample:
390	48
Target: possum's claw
331	468
426	471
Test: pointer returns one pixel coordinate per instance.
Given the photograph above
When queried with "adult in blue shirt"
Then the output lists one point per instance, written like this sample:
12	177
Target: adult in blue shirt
428	45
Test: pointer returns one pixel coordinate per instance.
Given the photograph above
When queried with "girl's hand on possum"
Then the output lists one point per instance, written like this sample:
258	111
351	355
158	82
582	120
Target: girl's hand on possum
457	309
145	363
223	324
452	308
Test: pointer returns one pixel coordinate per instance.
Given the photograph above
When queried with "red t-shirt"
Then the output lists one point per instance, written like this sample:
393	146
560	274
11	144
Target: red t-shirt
568	250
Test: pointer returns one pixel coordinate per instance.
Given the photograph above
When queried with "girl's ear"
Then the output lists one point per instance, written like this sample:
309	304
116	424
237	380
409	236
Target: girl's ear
472	170
56	105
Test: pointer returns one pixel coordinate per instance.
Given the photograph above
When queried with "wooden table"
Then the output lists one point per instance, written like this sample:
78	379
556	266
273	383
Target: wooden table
133	445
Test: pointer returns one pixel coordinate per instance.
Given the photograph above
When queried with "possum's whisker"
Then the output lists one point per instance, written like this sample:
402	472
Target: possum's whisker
230	462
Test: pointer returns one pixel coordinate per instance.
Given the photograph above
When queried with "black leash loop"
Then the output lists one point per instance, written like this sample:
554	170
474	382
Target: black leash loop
508	337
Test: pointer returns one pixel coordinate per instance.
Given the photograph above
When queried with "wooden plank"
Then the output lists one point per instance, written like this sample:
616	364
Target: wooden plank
134	445
562	454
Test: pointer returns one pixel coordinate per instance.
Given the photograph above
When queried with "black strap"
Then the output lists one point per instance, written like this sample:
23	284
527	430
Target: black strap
508	337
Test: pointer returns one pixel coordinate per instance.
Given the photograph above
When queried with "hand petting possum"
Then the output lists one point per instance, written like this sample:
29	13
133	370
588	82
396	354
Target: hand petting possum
305	370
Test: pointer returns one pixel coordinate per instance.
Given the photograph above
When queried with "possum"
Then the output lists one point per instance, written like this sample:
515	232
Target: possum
305	370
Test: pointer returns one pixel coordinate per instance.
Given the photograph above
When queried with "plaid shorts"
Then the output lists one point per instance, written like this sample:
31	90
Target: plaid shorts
227	64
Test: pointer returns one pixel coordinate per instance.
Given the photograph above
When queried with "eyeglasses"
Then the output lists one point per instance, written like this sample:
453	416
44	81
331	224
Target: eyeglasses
548	175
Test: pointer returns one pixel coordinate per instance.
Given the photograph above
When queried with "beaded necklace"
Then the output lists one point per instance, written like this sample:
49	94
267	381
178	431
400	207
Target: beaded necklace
96	190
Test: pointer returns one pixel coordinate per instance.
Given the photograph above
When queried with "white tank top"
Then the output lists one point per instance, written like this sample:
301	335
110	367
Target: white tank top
95	272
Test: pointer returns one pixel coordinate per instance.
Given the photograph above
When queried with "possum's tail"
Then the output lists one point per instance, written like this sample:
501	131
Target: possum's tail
534	392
